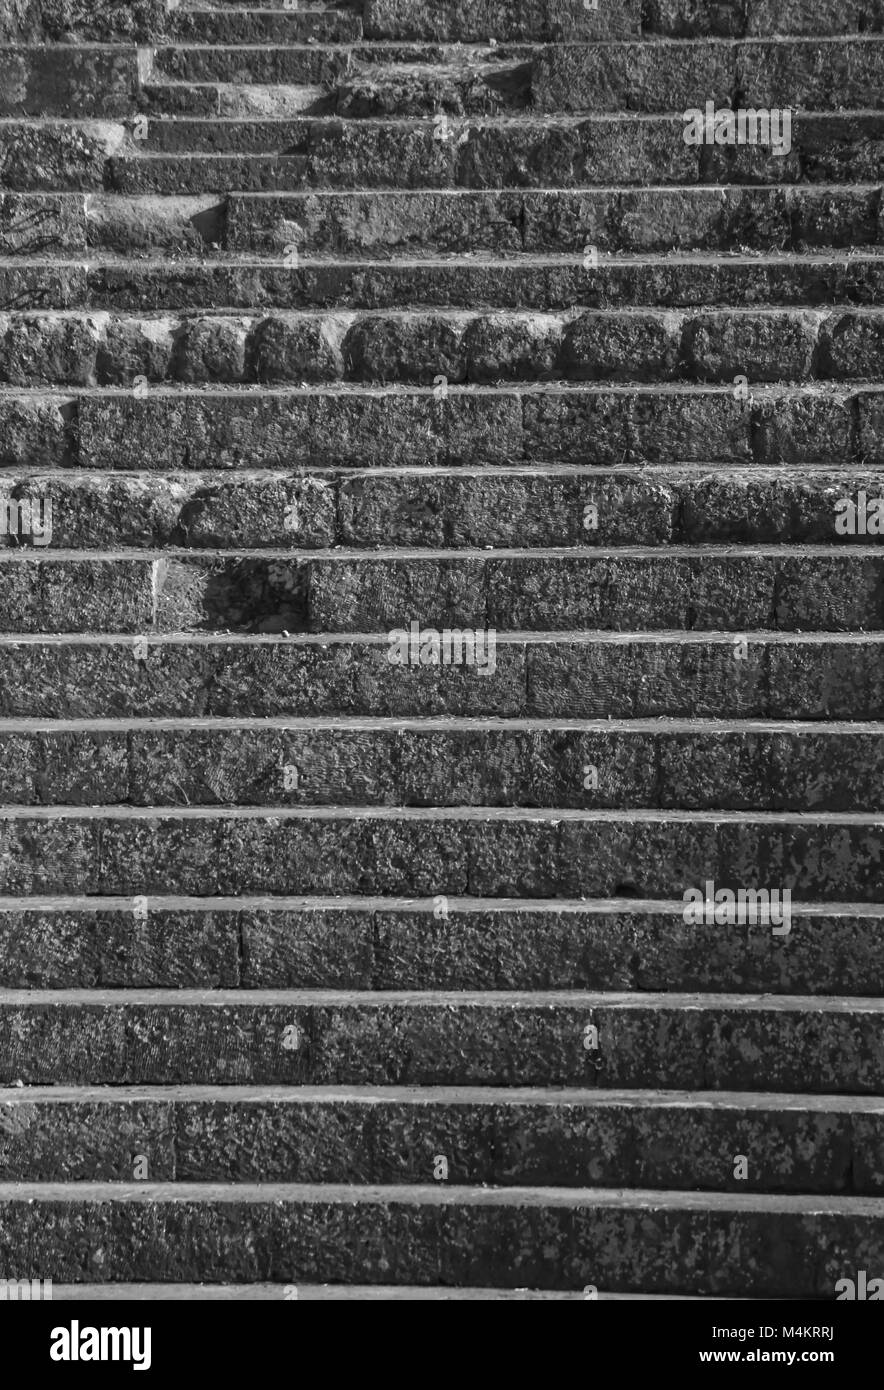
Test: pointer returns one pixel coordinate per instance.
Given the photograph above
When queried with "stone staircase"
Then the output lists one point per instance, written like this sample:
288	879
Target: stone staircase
325	976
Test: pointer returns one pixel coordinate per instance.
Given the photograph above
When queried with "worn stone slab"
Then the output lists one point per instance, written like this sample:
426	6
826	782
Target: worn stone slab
646	767
471	20
504	1139
449	425
818	74
753	1246
702	18
649	1041
786	677
58	80
79	21
755	589
503	853
362	945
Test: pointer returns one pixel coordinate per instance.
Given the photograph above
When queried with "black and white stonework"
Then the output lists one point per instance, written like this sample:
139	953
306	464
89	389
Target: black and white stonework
442	649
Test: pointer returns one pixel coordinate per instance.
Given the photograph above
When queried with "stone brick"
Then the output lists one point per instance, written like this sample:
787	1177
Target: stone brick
295	349
622	347
47	350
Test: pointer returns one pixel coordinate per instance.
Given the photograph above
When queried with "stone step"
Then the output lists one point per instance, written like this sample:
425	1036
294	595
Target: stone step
471	21
205	24
616	220
447	943
557	20
743	1244
665	76
524	507
488	336
502	1138
487	153
294	65
227	100
496	82
456	21
712	589
336	1293
530	284
231	6
827	857
32	224
64	79
610	425
286	121
549	676
391	764
412	348
672	75
423	224
674	1041
64	155
690	18
85	21
480	84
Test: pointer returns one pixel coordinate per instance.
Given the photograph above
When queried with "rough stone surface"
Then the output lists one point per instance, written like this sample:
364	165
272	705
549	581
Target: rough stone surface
789	678
320	322
405	852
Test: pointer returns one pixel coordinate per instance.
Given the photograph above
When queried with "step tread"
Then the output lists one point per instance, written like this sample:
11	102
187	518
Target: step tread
500	814
439	999
27	555
357	390
538	637
58	1097
443	724
348	903
634	1199
340	1293
453	261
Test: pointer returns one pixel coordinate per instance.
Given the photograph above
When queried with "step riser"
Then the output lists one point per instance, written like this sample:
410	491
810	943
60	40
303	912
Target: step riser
376	1044
467	21
497	84
416	349
688	18
370	949
565	223
409	855
587	680
172	289
502	91
815	75
549	21
508	1246
96	21
125	226
744	592
503	1144
299	66
110	21
300	511
335	767
66	156
475	21
605	428
257	102
337	154
255	27
650	151
57	81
